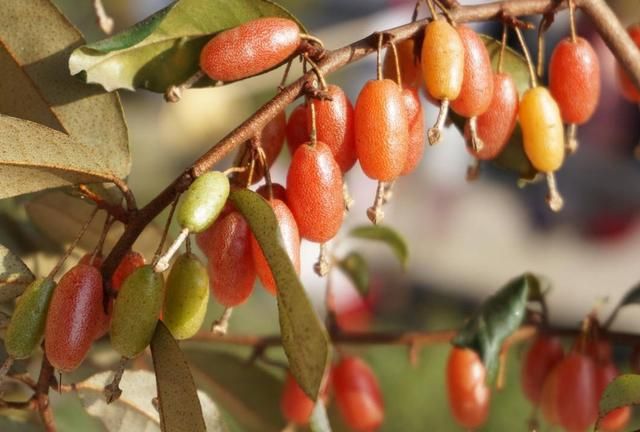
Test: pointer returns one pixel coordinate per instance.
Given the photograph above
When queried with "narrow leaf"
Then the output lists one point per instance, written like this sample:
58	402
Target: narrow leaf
498	317
232	382
621	392
179	406
319	421
36	86
630	298
304	338
164	49
386	235
355	267
14	275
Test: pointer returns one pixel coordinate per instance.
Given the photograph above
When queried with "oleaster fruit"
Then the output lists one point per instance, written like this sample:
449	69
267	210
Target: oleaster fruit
203	201
297	130
415	117
295	405
467	389
543	355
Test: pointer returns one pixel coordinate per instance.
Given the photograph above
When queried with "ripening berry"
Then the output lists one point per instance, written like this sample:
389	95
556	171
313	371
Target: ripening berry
26	328
574	79
617	419
629	90
73	317
334	126
358	394
90	259
548	398
415	117
382	130
272	139
136	311
477	83
543	355
469	395
203	239
442	60
231	269
290	240
186	297
542	130
314	192
297	131
249	49
295	405
576	392
496	124
203	201
277	190
410	72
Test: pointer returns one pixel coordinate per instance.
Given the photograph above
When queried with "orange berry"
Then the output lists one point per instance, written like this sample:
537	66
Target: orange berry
477	83
415	116
629	90
291	242
409	63
295	405
442	60
249	49
469	395
314	192
382	130
574	79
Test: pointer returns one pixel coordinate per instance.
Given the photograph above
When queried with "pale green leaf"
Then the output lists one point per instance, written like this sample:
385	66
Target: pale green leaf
386	235
622	391
14	275
355	267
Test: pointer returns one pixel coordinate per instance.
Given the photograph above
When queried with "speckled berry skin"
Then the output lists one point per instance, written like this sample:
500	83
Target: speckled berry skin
542	129
231	269
186	297
477	83
442	60
136	311
314	192
415	116
297	131
73	317
335	126
291	242
249	49
496	124
203	201
629	90
574	79
277	190
382	130
26	328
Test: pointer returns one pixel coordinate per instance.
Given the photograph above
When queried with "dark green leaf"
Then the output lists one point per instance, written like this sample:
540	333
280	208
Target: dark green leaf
355	267
630	298
55	130
498	317
233	383
386	235
179	406
622	391
14	275
164	49
304	338
319	421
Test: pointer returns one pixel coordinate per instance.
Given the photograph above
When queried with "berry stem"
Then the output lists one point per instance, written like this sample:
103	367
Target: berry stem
348	200
473	170
433	134
388	192
97	251
112	390
323	265
503	47
221	325
313	133
396	60
165	231
432	10
446	13
541	47
105	22
73	245
572	21
234	169
318	72
379	57
285	75
554	199
476	142
174	93
375	213
308	37
572	138
265	166
163	263
527	56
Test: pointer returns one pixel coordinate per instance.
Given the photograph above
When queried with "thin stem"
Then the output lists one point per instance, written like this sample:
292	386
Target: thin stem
379	75
322	267
234	169
572	21
396	60
265	166
163	263
446	13
165	231
503	47
434	134
305	36
572	138
476	142
541	46
221	325
285	75
375	212
318	72
527	56
129	198
112	391
42	394
432	10
97	251
554	199
174	93
105	22
313	133
73	245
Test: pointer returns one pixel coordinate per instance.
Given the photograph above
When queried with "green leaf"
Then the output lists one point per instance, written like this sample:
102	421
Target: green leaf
630	298
386	235
232	382
496	319
164	49
304	338
14	275
68	132
319	421
355	267
622	391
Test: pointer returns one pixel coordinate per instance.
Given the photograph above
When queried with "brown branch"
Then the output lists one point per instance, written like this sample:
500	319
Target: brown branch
42	394
603	18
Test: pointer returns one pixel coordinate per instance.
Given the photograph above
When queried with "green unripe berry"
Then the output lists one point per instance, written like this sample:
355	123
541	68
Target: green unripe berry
185	302
203	201
136	311
27	324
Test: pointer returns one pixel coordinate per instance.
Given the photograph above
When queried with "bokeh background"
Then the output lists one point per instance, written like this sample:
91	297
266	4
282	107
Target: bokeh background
465	239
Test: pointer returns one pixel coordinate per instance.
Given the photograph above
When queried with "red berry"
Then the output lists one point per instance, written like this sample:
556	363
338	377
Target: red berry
278	191
628	88
548	405
291	241
469	395
382	130
249	49
574	79
415	116
576	392
314	192
297	129
617	419
358	394
599	350
295	405
477	83
410	71
543	355
91	260
204	238
496	124
232	272
73	317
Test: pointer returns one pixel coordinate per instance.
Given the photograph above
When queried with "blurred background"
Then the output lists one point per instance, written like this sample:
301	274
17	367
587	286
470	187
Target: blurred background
465	239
